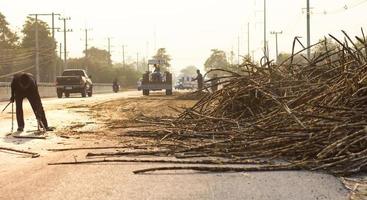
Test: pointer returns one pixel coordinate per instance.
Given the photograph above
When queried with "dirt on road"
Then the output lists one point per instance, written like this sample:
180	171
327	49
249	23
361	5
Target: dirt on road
105	121
116	117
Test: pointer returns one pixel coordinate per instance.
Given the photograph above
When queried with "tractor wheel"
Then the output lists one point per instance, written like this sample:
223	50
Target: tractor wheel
145	92
59	94
67	94
169	92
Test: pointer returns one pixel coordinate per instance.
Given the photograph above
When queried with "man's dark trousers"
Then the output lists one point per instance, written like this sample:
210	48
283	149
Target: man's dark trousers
35	101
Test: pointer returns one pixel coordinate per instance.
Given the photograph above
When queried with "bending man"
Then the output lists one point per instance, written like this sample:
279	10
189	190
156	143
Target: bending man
23	86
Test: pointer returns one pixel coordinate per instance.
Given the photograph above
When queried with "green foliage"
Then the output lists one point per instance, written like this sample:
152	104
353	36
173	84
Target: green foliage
217	60
282	57
8	39
102	71
126	75
47	47
162	55
100	57
327	44
8	47
142	67
188	71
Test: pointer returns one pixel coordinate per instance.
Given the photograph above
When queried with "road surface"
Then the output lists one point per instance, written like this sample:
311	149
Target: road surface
22	177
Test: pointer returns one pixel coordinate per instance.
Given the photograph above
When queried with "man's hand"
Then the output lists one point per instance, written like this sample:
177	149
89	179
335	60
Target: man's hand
12	99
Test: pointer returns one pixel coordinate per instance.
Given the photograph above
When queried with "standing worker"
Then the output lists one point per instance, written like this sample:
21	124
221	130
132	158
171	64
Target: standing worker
23	86
214	83
199	79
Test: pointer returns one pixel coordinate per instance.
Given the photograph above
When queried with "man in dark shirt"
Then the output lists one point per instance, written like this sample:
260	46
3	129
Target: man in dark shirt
23	86
156	75
214	83
199	79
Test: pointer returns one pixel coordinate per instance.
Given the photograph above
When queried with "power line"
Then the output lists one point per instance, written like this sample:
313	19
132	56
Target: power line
123	55
248	39
137	61
238	50
109	45
341	9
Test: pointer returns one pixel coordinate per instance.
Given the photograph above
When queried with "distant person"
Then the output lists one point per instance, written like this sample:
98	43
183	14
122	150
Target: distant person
199	79
115	81
115	85
157	69
214	83
23	86
156	75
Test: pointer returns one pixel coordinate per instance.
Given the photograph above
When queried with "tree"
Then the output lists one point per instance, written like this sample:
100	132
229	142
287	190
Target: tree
101	69
47	47
98	63
217	60
127	75
100	56
8	39
327	44
8	47
188	71
162	55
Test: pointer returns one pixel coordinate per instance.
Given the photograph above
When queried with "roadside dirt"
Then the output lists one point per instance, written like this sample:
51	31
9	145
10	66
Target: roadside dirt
104	121
117	117
112	119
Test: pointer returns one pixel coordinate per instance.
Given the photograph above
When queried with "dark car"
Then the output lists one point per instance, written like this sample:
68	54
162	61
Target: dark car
74	81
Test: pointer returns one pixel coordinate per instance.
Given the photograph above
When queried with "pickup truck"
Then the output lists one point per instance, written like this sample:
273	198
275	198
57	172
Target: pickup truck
74	81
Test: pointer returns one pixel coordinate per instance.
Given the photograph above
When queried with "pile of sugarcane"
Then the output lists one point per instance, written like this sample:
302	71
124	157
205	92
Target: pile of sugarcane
311	114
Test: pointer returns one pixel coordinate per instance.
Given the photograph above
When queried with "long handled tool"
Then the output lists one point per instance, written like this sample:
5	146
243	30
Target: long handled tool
12	117
6	107
40	126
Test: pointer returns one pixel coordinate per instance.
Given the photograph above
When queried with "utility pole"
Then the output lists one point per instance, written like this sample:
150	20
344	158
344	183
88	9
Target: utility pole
248	39
86	50
123	55
65	30
137	61
265	46
238	50
147	49
155	39
308	30
232	55
109	46
53	37
60	50
276	42
37	41
60	71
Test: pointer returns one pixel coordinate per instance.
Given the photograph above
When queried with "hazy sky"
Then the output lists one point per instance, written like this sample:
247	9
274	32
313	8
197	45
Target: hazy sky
189	29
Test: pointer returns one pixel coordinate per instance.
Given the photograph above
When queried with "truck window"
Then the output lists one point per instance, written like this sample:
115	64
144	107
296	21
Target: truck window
73	73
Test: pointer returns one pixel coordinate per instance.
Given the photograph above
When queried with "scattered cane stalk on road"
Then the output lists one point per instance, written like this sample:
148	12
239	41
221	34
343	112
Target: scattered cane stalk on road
311	114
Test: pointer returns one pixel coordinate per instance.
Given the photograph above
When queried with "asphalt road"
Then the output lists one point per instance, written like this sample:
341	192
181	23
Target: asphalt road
22	177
